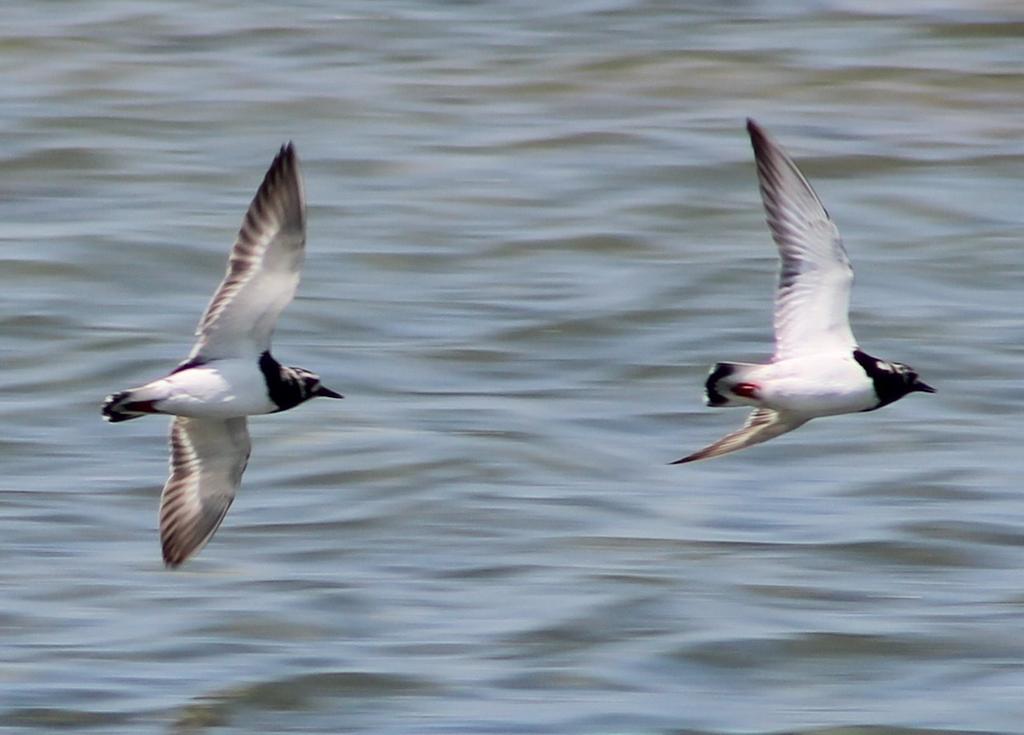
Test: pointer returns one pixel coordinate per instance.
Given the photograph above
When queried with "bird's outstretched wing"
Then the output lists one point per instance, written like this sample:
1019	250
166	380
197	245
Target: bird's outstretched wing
208	457
762	424
263	269
812	302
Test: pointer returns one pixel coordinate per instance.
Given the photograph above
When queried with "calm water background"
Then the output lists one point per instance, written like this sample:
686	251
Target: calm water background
532	228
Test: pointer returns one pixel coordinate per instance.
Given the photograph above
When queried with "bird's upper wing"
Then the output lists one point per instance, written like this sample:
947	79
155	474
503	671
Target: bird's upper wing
762	424
812	302
208	457
263	269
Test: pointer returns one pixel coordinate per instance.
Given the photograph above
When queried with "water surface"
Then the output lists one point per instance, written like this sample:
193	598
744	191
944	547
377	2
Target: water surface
532	228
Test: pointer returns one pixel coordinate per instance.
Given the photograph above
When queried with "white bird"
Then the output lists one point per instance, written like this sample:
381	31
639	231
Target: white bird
817	369
230	373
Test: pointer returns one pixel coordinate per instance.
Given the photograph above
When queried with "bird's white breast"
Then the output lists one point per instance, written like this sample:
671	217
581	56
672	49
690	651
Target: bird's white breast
218	389
818	385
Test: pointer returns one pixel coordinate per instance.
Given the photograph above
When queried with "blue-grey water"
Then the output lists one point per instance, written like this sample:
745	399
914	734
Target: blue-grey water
532	228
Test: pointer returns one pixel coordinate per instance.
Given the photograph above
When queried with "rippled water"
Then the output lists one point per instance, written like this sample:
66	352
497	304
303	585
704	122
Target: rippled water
533	226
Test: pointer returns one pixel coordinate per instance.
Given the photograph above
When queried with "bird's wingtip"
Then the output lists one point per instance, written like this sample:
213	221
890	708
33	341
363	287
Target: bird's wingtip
286	153
758	137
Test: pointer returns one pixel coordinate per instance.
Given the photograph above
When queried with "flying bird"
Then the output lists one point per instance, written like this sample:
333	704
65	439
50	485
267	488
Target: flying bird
817	369
230	373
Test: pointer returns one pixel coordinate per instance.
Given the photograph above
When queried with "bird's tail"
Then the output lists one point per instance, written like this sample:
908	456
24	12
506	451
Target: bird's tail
724	376
125	406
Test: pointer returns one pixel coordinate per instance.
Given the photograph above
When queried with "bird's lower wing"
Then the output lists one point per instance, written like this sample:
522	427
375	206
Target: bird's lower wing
762	424
208	457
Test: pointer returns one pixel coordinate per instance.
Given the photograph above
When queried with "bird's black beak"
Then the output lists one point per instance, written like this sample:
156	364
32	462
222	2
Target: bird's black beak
326	393
923	387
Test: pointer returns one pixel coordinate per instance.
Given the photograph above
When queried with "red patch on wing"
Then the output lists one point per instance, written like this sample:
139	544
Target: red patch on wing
746	390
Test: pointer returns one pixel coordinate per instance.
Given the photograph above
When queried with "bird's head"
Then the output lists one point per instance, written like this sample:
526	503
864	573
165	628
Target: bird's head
911	382
311	385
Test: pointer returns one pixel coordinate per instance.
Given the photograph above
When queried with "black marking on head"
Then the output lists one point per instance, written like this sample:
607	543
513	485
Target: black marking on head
719	371
892	380
285	387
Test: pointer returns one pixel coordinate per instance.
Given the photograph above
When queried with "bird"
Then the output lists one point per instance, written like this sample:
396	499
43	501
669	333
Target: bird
817	368
230	373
